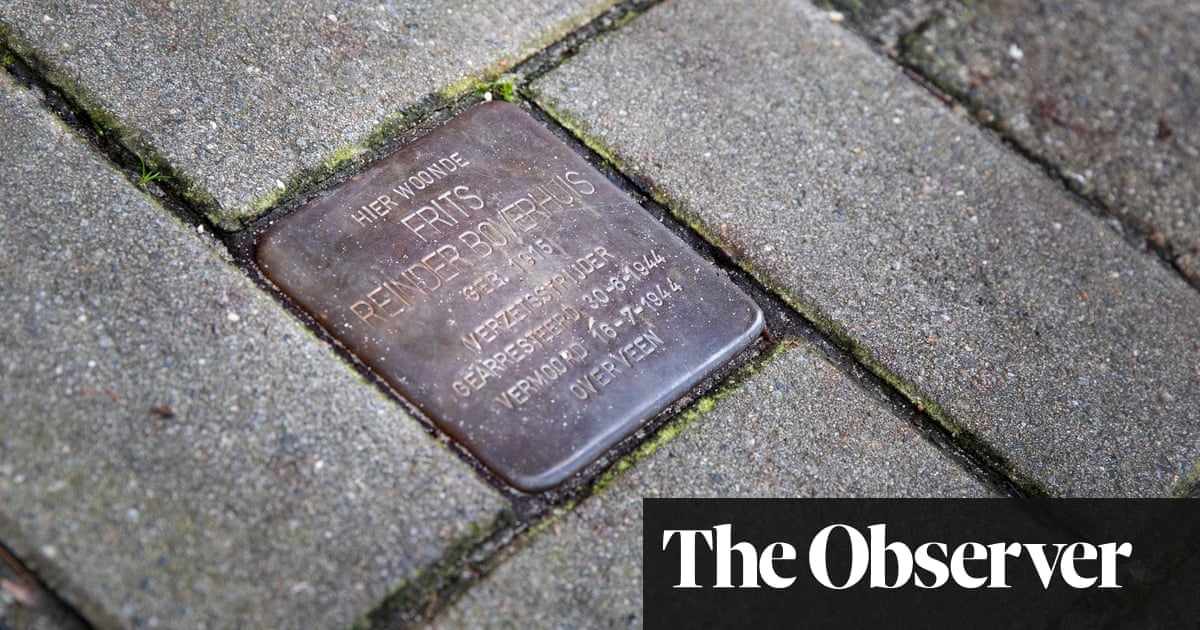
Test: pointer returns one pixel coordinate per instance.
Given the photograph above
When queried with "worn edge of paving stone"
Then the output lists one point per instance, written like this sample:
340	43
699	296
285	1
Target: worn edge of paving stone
938	71
886	22
103	122
62	580
344	158
26	603
700	412
1189	486
415	596
133	166
961	436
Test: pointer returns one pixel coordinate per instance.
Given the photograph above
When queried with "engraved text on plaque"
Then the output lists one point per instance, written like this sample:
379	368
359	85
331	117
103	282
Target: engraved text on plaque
509	290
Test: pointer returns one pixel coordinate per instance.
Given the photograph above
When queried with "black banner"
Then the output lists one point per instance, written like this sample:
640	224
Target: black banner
920	563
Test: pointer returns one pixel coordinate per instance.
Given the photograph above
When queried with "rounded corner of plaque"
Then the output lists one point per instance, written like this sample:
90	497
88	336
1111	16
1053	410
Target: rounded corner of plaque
536	482
498	104
266	243
757	321
550	477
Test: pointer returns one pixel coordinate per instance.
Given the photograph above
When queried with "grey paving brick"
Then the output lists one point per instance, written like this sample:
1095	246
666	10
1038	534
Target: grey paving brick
886	22
798	428
963	274
1106	92
242	98
175	450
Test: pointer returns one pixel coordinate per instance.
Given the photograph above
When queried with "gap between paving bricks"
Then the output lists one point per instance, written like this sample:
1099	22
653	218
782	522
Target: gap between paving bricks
37	601
895	51
460	568
901	53
191	202
410	600
785	328
785	323
102	140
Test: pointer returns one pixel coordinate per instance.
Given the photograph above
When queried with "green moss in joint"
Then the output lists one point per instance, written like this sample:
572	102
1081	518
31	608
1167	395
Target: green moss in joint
479	83
459	89
960	434
106	125
626	19
555	516
699	409
503	88
1189	485
412	593
580	130
341	157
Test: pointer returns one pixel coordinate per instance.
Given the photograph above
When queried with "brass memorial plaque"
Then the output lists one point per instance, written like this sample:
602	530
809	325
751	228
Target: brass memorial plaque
508	289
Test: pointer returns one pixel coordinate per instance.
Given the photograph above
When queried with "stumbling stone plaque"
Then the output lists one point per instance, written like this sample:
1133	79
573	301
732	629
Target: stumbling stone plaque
532	309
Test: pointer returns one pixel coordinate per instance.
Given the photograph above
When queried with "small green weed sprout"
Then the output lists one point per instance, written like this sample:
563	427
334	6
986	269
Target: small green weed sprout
148	175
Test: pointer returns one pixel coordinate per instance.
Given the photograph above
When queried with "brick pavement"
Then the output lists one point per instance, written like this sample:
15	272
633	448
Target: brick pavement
972	287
